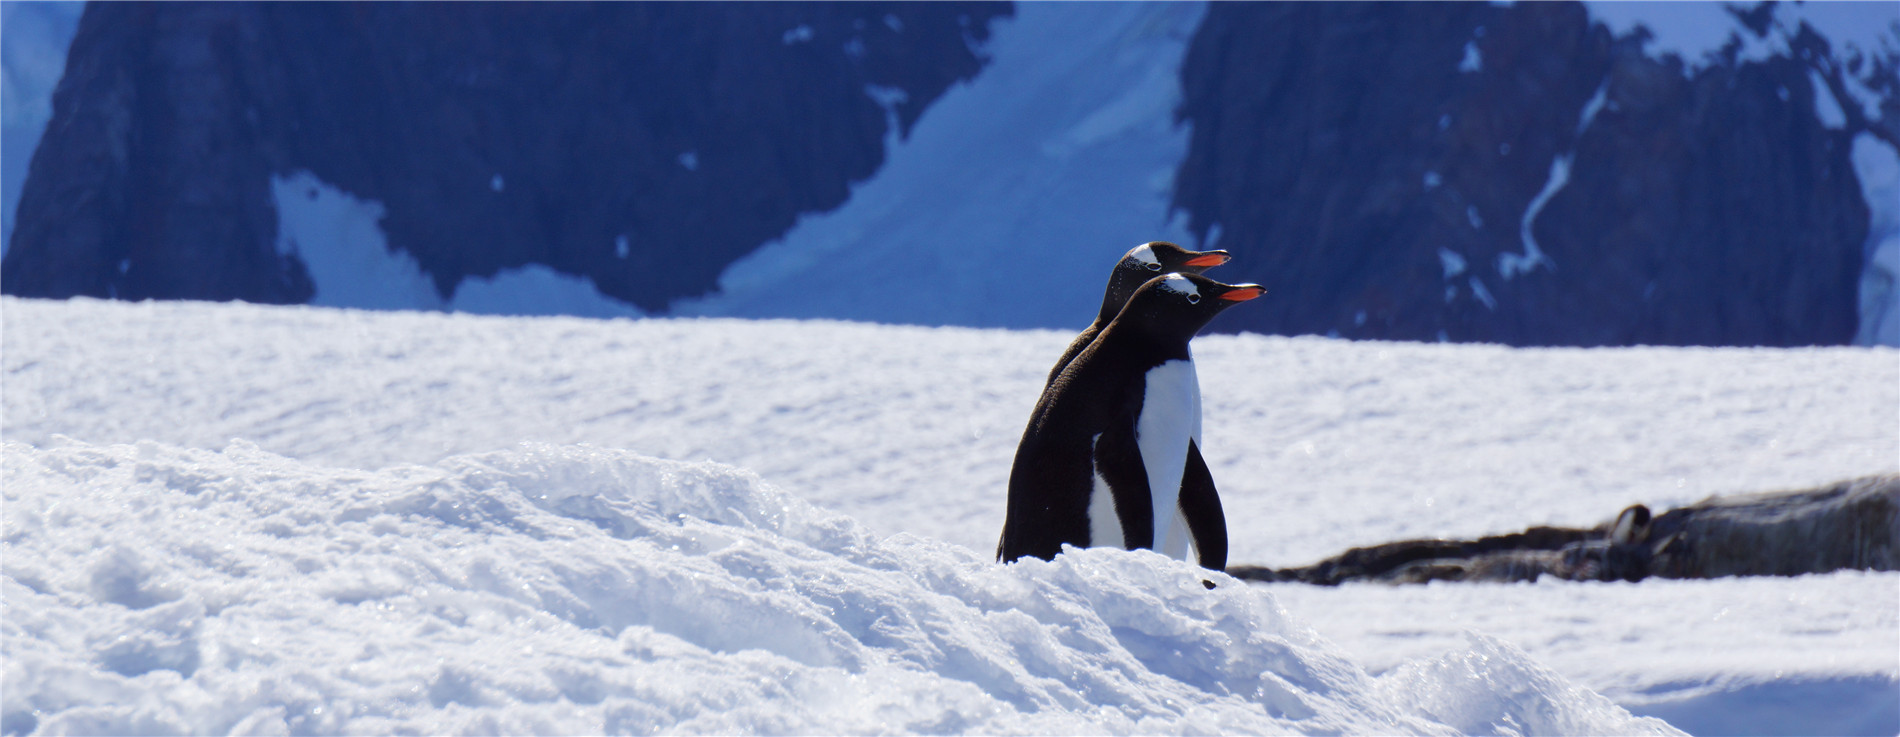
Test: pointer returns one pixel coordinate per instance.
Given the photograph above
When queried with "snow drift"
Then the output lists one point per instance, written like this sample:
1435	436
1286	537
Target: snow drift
568	589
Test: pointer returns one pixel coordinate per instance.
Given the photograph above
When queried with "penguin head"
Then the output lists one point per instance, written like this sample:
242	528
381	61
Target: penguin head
1178	305
1162	257
1148	261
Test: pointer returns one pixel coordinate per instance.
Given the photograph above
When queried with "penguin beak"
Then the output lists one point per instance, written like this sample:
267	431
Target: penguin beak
1243	292
1210	258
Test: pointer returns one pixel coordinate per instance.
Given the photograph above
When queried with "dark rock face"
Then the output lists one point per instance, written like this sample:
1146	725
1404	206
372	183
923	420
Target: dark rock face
147	182
1379	190
496	135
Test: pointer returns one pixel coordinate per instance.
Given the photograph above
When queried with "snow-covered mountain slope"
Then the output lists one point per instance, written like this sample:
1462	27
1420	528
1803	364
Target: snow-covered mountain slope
316	432
1012	196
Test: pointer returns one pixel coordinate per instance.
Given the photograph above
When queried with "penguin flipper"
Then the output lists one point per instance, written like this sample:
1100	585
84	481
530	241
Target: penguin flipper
1118	463
1200	506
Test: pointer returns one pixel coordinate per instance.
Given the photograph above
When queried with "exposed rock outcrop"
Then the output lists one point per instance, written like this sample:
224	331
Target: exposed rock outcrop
1848	525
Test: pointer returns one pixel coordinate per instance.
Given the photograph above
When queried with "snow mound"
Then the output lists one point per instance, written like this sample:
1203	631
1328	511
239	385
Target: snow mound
154	589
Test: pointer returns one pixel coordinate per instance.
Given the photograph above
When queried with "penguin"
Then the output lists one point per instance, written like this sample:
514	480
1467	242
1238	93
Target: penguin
1104	461
1141	263
1135	268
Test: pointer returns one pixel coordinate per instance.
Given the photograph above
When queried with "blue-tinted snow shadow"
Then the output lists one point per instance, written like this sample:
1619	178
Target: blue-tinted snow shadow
1868	705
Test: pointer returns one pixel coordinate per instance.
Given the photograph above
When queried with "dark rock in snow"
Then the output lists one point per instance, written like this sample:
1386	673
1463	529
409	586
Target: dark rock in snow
1851	524
496	135
1384	167
1848	525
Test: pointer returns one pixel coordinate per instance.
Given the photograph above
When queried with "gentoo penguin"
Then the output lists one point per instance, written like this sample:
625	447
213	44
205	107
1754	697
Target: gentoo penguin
1104	460
1137	266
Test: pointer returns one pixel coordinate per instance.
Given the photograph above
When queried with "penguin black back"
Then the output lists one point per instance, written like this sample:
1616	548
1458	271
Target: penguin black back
1136	267
1079	476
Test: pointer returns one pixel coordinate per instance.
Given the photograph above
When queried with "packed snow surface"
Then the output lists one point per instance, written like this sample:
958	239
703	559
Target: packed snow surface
308	520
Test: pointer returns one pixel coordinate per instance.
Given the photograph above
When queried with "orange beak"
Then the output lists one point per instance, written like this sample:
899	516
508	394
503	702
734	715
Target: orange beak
1243	293
1214	258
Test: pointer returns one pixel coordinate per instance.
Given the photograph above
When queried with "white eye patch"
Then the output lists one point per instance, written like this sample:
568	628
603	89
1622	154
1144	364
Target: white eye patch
1146	256
1181	285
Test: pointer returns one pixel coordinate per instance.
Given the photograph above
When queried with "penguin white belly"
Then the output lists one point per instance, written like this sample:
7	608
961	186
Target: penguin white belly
1170	415
1179	541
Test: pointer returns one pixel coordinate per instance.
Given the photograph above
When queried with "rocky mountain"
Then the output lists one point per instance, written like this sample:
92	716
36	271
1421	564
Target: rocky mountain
643	145
1516	174
1530	173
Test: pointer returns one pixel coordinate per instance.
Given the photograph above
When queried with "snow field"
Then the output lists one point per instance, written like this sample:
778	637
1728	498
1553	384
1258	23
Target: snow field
1807	655
560	589
1318	445
351	419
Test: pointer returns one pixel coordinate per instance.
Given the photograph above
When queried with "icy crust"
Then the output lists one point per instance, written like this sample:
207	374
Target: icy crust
570	589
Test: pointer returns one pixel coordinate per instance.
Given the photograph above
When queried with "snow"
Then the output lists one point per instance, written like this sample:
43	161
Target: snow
536	289
579	590
1453	262
1826	109
1473	60
1695	32
1593	106
1060	154
1484	295
340	240
226	517
1752	631
1692	31
1512	264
